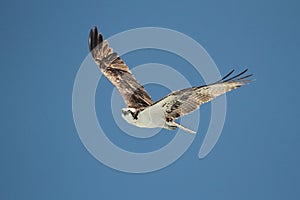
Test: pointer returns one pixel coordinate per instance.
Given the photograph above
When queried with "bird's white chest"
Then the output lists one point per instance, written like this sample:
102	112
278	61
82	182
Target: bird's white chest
151	117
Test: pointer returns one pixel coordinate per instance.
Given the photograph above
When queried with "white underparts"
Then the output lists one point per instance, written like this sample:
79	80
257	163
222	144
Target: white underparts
153	117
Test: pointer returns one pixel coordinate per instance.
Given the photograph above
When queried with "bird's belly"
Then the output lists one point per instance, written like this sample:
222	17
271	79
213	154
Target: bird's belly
151	118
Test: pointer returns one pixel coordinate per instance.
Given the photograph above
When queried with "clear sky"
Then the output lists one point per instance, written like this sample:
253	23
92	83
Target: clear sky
42	47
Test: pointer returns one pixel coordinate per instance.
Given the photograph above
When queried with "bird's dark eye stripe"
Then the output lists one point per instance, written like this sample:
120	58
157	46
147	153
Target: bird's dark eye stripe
134	114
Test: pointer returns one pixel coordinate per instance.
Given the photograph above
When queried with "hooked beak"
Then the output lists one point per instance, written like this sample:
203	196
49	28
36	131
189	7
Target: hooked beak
124	112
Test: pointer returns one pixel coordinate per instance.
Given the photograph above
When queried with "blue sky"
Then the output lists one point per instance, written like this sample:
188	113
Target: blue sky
42	47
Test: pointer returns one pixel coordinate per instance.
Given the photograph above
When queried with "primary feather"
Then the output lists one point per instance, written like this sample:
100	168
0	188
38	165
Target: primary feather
117	72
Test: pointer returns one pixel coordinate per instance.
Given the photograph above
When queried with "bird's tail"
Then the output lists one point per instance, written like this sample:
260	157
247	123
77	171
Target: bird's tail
183	128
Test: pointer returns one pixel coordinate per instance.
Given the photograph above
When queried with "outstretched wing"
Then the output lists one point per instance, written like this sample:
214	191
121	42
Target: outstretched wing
115	70
184	101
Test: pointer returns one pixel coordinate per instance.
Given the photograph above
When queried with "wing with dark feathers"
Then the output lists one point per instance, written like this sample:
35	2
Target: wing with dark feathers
184	101
117	72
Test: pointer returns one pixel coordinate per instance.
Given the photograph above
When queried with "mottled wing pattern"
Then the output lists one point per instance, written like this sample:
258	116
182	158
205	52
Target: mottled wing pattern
184	101
117	72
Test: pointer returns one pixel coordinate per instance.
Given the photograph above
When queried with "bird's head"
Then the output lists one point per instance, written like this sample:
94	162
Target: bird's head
130	114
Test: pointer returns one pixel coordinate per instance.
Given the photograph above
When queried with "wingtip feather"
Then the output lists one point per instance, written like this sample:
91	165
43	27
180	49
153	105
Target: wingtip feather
94	38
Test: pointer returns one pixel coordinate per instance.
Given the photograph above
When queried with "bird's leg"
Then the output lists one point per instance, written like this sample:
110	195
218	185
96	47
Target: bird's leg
170	122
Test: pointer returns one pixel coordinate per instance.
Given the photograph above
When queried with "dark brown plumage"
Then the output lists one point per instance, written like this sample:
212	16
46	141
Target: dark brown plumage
113	67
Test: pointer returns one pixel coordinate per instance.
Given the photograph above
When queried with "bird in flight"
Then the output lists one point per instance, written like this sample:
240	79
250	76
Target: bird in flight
140	110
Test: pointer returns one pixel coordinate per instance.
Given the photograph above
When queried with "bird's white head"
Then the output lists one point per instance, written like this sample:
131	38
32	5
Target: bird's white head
130	115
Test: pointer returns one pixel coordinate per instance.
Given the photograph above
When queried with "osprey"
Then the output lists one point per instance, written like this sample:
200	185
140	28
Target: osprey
141	111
